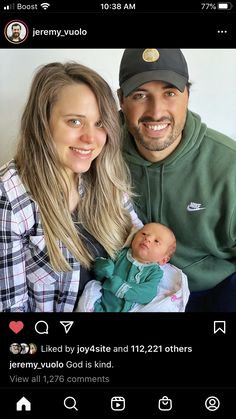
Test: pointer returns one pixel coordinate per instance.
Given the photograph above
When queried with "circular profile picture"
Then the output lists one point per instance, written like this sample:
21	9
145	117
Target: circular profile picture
32	348
15	348
212	403
16	31
24	348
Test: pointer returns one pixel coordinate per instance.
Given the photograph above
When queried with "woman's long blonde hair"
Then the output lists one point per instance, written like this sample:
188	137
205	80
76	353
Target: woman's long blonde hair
101	208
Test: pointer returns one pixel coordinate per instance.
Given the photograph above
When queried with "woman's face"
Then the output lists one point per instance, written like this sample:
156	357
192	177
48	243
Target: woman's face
32	348
76	128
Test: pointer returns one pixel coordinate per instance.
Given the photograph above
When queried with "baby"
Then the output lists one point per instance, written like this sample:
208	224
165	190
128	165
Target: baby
133	277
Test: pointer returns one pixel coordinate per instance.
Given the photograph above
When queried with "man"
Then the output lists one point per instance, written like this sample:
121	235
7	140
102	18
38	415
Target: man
15	348
184	174
16	30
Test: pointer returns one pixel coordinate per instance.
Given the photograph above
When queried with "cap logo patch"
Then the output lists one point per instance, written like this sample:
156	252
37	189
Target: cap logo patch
150	55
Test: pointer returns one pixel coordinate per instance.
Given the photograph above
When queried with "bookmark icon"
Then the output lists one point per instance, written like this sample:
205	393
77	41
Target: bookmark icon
219	326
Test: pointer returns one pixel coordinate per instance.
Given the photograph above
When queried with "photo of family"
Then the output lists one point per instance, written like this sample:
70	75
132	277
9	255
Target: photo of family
117	184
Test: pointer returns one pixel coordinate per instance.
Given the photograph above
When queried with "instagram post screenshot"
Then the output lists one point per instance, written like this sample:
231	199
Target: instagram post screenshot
117	209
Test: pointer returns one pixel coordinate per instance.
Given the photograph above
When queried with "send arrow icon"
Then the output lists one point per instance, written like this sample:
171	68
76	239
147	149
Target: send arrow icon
219	326
67	325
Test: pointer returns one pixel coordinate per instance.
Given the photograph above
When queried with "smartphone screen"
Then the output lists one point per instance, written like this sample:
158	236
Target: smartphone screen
160	361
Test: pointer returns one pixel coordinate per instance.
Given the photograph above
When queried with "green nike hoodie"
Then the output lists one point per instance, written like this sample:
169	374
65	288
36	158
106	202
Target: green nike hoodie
192	191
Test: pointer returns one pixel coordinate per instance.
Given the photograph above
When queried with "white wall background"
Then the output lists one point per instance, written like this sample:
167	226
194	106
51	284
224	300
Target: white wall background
212	72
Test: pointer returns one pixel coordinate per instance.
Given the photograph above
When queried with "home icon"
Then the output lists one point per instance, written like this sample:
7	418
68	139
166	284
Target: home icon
23	404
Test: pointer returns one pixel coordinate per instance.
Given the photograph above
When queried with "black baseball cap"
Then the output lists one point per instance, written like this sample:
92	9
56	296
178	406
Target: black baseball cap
139	66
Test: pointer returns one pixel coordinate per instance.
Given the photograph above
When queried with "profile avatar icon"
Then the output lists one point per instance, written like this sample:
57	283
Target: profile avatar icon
32	348
24	348
212	403
16	32
15	348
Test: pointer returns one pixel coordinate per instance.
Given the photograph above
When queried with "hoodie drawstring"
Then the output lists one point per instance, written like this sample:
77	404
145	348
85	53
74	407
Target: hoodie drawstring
161	192
148	203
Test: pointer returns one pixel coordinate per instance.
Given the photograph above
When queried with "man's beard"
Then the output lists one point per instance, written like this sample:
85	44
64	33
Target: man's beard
157	144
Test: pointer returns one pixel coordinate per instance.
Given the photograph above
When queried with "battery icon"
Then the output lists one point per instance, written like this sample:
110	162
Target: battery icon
224	6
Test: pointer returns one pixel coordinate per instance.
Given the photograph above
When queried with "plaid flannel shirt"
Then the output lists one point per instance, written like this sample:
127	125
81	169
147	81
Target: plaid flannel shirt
27	281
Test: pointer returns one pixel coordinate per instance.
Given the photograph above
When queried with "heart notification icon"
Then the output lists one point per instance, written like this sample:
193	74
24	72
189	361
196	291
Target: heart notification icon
16	327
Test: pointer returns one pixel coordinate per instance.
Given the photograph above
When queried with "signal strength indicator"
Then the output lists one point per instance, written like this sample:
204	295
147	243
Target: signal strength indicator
45	6
9	7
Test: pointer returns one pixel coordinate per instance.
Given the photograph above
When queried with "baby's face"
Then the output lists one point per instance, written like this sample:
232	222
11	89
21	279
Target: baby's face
151	244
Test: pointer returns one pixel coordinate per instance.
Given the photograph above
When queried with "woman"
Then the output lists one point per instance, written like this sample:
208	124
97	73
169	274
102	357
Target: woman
63	199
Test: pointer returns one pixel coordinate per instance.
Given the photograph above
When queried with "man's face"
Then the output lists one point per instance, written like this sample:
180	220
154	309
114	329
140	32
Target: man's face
15	348
155	114
16	31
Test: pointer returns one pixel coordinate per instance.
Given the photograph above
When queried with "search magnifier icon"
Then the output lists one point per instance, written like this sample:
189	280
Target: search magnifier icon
41	327
70	403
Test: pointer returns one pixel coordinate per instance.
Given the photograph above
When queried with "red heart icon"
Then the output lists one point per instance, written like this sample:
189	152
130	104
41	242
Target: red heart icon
16	327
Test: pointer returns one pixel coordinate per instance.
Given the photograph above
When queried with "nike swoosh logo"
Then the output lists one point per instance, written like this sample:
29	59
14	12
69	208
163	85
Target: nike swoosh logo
189	208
